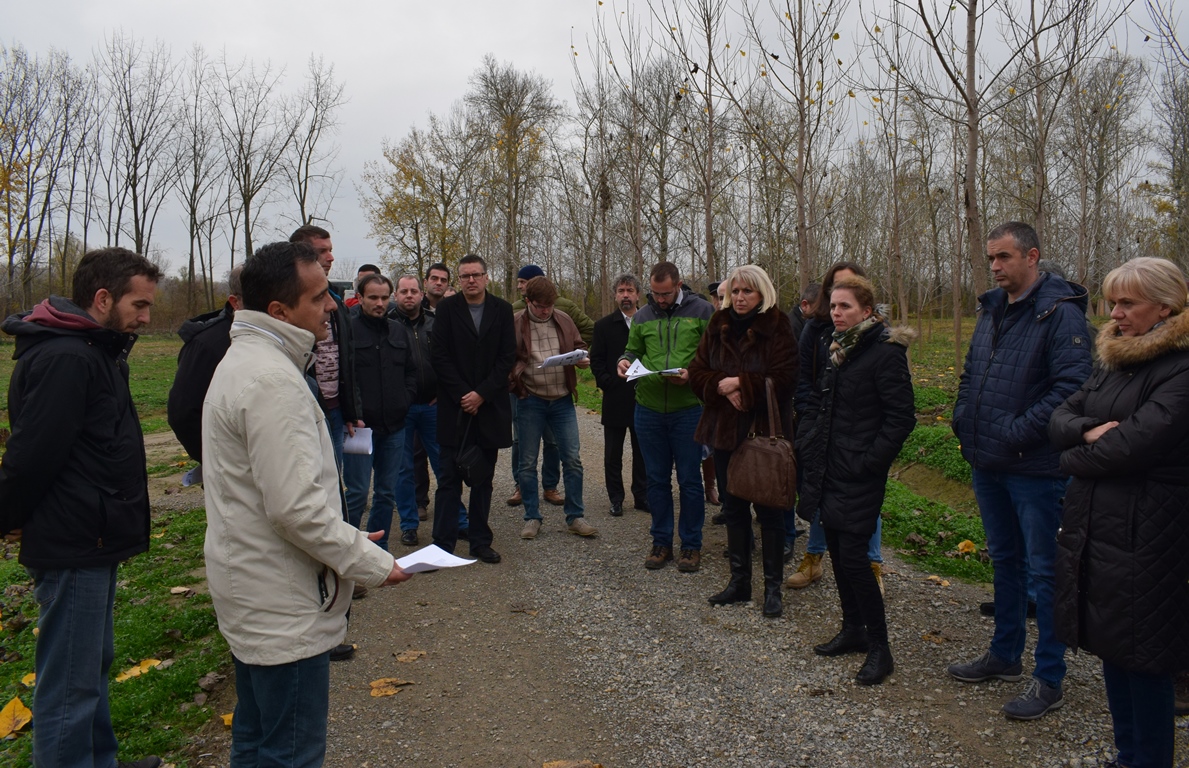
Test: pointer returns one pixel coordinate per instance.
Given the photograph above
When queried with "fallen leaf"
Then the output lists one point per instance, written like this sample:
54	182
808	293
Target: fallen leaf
29	680
137	670
14	717
387	686
227	718
966	547
159	535
166	664
407	656
208	681
181	591
384	690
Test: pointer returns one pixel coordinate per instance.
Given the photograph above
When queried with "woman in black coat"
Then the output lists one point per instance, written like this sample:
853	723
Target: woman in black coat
1121	571
747	342
864	412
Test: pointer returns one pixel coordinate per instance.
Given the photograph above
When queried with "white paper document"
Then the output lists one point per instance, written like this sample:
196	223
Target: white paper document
638	371
358	444
430	558
569	358
192	477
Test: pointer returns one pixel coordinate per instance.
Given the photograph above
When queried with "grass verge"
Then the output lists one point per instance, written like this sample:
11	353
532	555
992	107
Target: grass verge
927	533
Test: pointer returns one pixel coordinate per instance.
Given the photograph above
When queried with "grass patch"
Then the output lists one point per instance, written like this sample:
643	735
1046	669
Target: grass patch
935	446
589	396
149	623
927	533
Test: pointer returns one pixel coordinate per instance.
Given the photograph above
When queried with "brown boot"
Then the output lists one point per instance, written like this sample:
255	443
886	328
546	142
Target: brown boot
807	573
708	482
515	499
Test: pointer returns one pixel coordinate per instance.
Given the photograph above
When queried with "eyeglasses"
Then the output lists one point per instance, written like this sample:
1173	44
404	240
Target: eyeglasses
666	295
471	276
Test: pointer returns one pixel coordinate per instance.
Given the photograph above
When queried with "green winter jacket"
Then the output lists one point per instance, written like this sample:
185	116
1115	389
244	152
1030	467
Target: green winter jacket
580	318
663	339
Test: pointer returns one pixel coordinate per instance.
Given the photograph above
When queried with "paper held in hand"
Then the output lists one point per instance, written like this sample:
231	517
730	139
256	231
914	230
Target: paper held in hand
569	358
429	559
358	444
638	371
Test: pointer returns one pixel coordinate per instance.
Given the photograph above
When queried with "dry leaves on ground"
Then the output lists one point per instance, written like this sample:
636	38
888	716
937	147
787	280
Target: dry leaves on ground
29	680
14	717
408	656
388	686
137	670
937	580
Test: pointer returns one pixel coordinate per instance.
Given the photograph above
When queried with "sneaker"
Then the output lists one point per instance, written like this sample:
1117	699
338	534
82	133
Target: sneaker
1037	699
422	514
553	497
617	509
359	592
986	667
531	529
409	538
342	652
515	500
152	761
690	561
659	556
579	527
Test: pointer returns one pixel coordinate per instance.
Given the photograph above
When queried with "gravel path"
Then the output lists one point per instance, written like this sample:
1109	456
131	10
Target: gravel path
569	650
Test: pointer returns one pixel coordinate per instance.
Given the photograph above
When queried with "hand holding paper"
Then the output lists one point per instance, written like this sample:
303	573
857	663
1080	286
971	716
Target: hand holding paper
569	358
430	558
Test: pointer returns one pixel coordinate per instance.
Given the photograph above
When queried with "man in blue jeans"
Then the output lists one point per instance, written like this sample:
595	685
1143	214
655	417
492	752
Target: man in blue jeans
664	337
1029	352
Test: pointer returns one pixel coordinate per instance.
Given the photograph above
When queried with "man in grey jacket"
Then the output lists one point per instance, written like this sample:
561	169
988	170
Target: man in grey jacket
281	560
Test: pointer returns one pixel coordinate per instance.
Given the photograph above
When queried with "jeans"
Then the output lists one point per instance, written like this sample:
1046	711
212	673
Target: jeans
667	440
550	462
613	466
281	712
534	417
858	591
1021	515
449	498
420	422
75	648
817	540
387	456
336	426
1142	712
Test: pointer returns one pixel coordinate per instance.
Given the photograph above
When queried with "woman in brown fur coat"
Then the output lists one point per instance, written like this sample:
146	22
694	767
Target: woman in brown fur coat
747	341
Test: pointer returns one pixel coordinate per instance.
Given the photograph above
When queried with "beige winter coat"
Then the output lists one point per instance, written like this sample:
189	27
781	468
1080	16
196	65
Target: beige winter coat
280	559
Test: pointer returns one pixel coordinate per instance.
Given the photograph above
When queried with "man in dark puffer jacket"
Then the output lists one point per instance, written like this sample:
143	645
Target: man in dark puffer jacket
1030	351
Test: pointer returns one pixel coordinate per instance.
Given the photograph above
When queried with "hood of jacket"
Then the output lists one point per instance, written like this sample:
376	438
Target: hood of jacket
58	316
1050	291
205	321
1116	352
297	343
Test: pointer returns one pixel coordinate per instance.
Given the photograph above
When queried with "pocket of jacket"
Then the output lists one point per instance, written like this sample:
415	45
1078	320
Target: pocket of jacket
120	510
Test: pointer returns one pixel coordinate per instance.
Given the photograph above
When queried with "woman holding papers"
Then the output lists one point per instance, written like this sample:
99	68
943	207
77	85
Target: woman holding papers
747	342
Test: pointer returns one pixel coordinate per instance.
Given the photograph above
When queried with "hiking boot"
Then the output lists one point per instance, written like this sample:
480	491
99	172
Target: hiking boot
152	761
531	529
690	561
807	573
515	500
1037	699
878	665
359	592
553	497
659	556
877	569
852	638
579	527
986	667
409	538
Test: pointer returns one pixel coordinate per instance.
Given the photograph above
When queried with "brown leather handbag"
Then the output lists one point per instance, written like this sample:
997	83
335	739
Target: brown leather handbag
763	469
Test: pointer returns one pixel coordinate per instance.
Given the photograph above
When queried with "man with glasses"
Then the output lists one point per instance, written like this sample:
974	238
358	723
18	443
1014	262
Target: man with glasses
473	350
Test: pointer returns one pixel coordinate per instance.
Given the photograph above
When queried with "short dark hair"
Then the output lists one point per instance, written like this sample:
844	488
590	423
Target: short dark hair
666	270
811	292
541	290
110	268
627	278
270	274
308	232
235	286
367	268
472	258
440	267
821	307
1023	234
368	279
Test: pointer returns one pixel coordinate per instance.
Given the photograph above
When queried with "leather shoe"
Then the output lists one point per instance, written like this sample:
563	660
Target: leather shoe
486	554
617	509
342	652
409	538
851	639
877	667
515	500
553	497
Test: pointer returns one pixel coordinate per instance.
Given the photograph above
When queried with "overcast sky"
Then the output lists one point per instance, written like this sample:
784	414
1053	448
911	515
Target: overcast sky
399	60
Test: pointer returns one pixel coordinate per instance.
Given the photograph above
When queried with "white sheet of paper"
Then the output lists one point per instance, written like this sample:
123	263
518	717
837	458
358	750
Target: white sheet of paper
637	371
569	358
192	477
359	444
430	558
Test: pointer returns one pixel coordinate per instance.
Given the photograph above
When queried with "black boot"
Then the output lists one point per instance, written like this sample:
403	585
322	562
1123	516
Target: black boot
772	542
851	639
739	587
878	665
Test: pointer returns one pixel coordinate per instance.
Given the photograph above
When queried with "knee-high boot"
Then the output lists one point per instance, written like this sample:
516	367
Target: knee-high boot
739	556
772	543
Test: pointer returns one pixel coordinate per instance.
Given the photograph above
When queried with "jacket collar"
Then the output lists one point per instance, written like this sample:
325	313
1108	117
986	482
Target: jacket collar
1044	296
296	343
1115	351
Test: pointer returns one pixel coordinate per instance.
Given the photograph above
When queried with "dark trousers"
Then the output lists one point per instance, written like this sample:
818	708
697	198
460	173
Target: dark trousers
449	497
858	590
1142	713
613	466
421	472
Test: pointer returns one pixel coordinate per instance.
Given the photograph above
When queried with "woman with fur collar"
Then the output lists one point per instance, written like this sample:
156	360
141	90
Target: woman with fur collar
746	342
1121	571
846	445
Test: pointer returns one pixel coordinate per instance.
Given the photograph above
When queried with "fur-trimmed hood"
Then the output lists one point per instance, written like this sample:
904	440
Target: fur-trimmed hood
1116	352
902	334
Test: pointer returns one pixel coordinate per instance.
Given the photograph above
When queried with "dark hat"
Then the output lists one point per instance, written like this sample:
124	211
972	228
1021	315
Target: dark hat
529	271
713	287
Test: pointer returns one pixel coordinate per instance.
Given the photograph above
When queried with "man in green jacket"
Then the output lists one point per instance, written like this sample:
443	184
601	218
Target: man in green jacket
664	338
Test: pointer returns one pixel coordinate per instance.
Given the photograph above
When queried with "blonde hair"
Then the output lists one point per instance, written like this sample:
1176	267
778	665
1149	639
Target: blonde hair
756	279
1157	281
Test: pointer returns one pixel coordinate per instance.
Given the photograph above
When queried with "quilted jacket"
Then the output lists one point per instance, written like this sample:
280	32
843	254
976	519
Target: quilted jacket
1025	359
1122	575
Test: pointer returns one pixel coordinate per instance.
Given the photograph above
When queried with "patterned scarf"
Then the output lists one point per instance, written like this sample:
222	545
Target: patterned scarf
845	341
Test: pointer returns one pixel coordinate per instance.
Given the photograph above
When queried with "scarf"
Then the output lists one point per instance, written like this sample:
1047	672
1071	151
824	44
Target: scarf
845	341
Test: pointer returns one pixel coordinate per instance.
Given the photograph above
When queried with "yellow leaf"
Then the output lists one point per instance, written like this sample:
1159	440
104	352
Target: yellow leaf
966	547
29	680
137	670
407	656
148	664
383	681
384	690
159	535
14	717
227	718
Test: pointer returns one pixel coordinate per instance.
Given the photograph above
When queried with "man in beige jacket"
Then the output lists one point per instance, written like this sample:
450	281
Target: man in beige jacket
281	559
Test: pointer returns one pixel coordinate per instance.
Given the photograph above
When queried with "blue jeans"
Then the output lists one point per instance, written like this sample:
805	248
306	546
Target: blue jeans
387	456
817	540
281	712
667	440
534	417
1142	713
71	718
421	420
550	461
336	426
1021	515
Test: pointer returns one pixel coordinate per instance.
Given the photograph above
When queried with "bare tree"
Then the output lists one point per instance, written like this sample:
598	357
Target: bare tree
309	168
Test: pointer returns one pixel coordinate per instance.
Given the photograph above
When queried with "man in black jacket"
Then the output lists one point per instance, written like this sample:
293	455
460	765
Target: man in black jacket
205	340
619	396
473	352
386	372
73	488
